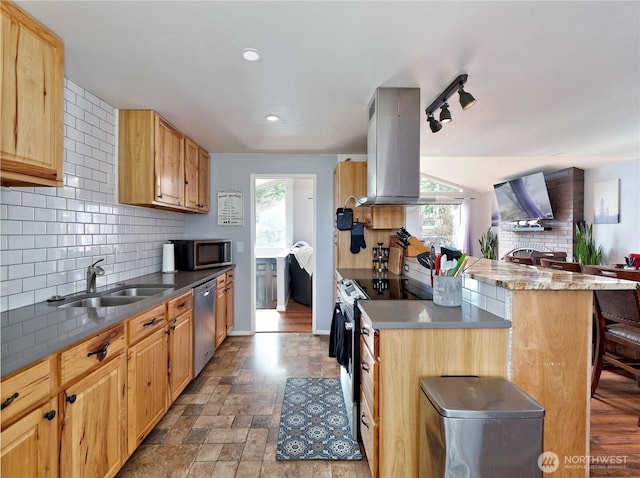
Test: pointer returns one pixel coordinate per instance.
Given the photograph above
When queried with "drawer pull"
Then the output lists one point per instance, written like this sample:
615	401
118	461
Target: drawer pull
364	366
9	401
100	353
50	415
364	331
72	398
181	304
153	321
363	421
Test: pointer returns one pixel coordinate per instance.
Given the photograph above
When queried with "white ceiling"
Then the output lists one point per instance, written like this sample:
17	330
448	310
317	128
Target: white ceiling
557	83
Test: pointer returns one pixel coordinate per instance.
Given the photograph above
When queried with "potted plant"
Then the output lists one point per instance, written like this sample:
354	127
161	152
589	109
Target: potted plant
587	253
489	244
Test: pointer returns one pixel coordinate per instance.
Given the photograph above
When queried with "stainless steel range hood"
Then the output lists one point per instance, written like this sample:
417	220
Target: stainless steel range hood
393	148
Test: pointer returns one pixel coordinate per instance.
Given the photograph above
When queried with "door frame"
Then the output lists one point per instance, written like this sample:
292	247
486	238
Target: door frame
314	179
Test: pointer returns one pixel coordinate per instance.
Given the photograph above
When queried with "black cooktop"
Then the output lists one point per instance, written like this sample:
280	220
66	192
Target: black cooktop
397	288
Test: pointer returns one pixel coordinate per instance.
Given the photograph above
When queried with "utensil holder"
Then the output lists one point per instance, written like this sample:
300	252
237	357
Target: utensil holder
447	291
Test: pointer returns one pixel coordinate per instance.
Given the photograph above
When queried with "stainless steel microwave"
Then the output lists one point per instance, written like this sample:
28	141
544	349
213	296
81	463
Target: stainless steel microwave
194	254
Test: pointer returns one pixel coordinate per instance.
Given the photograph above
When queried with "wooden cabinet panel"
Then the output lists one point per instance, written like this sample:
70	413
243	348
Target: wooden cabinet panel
145	324
178	305
24	389
147	385
369	378
94	423
204	179
191	173
30	446
230	309
221	313
89	354
180	351
369	432
384	217
169	163
32	84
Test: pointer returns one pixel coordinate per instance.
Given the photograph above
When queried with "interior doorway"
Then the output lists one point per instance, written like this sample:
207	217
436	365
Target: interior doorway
283	241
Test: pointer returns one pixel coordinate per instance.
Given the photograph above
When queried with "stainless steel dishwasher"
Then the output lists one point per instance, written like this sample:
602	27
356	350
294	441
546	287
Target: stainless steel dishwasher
204	325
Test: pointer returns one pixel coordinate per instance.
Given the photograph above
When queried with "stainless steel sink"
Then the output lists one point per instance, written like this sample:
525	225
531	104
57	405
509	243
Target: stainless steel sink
102	301
139	291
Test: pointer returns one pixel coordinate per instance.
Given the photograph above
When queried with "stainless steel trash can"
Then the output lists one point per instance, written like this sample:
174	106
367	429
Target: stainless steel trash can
478	427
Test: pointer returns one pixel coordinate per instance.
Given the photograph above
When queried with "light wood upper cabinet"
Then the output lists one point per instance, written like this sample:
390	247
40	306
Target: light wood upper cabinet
203	180
32	96
30	446
158	166
191	159
169	163
94	422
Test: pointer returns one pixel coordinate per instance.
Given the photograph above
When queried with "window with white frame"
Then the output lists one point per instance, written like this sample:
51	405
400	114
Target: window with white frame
440	223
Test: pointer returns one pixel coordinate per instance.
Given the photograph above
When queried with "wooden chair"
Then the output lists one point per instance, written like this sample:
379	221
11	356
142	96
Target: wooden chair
617	313
555	256
561	265
519	260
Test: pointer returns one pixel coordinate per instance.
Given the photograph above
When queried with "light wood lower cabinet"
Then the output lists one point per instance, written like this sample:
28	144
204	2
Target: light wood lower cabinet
224	306
147	386
94	423
180	351
30	446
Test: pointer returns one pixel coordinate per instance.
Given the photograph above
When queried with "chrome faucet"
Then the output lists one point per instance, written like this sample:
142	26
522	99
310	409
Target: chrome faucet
92	271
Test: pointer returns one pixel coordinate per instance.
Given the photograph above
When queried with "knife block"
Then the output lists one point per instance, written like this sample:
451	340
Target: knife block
415	247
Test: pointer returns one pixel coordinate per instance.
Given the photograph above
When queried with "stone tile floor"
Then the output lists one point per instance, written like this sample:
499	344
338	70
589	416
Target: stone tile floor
226	422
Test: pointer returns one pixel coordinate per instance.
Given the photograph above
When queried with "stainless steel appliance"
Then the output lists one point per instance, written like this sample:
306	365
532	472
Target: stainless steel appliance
204	325
351	291
194	254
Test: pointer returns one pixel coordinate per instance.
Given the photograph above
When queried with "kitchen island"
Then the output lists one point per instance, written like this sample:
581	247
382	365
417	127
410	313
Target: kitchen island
546	352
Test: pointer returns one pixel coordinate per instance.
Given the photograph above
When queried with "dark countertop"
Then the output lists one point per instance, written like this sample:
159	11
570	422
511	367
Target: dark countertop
420	314
424	314
35	331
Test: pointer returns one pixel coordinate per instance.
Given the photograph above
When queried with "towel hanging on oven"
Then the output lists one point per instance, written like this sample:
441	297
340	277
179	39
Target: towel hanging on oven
339	338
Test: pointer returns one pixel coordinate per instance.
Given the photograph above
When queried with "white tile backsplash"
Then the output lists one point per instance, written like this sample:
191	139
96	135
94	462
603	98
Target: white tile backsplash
48	236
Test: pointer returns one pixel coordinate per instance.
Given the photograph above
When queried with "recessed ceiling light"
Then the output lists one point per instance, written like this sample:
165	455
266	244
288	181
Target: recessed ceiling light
272	118
250	54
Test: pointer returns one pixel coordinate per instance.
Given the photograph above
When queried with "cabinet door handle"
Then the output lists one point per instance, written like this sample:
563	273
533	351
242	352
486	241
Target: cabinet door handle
363	421
50	415
9	401
100	353
364	366
153	321
364	331
72	398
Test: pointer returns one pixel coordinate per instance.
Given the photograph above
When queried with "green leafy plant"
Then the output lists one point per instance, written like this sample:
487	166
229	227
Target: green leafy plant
489	244
586	250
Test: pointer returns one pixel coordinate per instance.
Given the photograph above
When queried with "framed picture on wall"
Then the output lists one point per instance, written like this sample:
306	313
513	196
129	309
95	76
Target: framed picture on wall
606	202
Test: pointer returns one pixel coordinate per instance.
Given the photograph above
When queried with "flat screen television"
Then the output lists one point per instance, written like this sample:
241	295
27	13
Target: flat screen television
523	198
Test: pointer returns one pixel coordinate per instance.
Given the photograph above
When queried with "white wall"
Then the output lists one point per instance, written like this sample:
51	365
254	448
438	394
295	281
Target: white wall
233	172
303	211
50	235
617	240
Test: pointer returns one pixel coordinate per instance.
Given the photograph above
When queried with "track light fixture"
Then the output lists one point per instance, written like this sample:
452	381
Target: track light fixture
466	101
434	124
